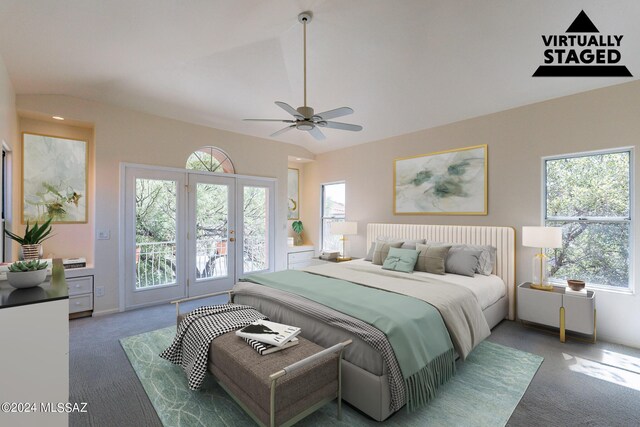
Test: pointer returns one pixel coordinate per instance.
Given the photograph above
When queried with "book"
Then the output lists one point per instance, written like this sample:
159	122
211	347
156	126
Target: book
268	332
74	262
264	349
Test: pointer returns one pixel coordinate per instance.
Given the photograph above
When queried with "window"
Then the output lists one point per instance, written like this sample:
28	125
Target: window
332	211
210	159
589	196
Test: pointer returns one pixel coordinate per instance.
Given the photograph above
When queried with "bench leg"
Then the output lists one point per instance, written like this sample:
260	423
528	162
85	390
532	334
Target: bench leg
272	404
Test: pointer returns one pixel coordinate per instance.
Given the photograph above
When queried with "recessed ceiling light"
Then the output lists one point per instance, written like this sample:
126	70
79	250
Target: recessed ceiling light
298	158
57	118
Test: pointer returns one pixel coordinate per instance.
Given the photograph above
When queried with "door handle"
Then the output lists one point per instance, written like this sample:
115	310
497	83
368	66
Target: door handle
232	239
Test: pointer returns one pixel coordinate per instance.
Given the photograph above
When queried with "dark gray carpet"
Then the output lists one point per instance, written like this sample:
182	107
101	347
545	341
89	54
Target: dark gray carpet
101	375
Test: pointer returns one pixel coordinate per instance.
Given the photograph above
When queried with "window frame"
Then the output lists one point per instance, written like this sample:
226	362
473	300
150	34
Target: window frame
322	217
630	289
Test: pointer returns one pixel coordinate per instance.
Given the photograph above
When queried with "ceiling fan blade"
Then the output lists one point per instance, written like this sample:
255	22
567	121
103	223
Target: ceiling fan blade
289	109
332	114
342	126
281	131
268	120
316	133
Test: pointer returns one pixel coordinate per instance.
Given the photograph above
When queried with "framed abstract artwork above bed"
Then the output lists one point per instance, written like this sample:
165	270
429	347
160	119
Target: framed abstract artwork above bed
452	182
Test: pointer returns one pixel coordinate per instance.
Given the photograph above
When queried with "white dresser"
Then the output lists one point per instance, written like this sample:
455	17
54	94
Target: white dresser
80	283
299	257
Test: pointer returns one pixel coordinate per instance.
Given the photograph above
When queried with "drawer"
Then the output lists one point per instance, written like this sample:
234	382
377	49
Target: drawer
80	285
80	303
541	307
579	313
295	257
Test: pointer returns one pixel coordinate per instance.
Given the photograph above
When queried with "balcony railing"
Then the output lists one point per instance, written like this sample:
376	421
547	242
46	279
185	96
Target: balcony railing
156	262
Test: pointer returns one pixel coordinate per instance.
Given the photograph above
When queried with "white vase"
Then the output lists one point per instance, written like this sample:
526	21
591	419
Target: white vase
26	279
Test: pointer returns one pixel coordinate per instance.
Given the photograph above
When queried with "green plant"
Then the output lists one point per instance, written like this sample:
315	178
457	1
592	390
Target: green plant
33	265
32	236
297	227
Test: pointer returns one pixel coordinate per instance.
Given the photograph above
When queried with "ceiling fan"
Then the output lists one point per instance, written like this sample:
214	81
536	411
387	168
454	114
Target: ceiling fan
304	118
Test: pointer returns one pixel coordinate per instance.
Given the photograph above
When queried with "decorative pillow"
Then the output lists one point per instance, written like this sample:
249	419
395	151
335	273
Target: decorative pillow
462	262
372	249
487	258
432	258
382	250
401	260
411	244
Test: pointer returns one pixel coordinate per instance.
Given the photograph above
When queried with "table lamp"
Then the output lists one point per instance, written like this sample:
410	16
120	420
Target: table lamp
344	228
541	237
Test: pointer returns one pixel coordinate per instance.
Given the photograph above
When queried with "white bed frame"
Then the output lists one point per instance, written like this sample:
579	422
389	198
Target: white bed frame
503	238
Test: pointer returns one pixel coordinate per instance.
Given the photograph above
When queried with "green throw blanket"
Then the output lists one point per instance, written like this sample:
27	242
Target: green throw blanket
413	327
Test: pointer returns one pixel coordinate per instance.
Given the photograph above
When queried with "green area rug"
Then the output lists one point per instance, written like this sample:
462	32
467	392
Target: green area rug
484	392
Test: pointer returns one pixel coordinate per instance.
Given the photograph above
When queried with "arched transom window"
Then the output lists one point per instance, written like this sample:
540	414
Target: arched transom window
210	159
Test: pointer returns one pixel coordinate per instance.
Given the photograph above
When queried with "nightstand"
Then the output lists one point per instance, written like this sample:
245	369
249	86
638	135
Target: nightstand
557	309
336	260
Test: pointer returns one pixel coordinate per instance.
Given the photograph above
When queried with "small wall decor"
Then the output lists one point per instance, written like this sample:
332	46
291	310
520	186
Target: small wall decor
293	194
54	179
452	182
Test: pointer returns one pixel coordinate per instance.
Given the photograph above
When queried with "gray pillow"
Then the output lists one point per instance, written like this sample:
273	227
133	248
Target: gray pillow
401	260
372	249
431	259
411	244
462	262
382	250
487	259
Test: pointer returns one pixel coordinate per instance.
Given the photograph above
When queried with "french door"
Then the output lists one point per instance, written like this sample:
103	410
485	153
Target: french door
191	233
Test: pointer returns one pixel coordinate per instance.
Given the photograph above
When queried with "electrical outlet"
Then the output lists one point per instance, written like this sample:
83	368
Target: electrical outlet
99	291
104	234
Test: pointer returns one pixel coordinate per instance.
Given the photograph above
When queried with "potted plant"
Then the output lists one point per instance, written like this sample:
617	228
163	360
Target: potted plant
27	274
297	228
31	242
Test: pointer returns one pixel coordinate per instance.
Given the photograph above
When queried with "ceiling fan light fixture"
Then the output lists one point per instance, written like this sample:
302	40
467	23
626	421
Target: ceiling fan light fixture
305	125
305	117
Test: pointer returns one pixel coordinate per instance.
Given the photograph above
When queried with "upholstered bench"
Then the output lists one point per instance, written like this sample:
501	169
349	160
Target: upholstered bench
279	388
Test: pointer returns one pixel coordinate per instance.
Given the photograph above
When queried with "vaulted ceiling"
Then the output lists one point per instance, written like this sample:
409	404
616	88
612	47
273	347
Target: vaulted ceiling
402	65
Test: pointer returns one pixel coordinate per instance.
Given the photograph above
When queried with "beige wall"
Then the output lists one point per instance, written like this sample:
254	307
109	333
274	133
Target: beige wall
123	135
516	139
306	236
69	240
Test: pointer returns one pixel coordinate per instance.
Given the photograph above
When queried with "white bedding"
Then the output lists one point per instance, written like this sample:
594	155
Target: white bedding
487	289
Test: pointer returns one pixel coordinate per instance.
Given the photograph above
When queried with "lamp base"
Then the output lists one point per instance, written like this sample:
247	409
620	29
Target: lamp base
343	259
541	287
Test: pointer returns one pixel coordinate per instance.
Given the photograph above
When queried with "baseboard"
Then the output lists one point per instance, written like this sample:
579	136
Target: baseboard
103	312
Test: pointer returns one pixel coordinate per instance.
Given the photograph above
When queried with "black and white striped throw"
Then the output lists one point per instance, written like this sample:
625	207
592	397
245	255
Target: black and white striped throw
190	347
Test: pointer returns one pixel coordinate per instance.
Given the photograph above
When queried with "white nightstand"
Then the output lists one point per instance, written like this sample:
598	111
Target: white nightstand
555	308
299	257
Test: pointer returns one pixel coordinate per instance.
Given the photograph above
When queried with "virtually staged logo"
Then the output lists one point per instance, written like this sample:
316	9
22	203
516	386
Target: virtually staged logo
582	52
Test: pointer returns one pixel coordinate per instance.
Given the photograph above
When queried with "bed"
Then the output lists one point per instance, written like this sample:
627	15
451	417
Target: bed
366	377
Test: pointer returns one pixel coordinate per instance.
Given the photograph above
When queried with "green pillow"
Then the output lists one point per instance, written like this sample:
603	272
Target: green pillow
401	260
382	250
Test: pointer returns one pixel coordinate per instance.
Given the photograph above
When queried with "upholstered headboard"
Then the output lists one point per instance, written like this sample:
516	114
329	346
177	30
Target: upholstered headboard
503	238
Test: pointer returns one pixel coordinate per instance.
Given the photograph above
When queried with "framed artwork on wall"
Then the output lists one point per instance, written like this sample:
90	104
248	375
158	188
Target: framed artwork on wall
452	182
54	179
293	194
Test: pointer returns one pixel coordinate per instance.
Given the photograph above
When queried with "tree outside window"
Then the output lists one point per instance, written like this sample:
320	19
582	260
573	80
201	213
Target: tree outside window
589	196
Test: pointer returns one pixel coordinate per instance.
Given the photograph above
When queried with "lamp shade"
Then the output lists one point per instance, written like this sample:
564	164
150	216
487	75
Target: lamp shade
344	228
542	237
